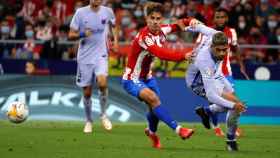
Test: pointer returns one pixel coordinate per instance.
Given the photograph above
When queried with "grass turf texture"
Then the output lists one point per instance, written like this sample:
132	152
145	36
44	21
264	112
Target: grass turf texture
43	139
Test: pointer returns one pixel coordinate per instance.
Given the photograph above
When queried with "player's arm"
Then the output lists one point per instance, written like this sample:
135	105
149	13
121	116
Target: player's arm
236	50
177	26
223	98
199	28
238	106
208	77
75	31
115	30
75	34
163	53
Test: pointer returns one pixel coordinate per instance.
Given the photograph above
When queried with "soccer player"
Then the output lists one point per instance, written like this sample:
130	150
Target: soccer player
220	24
137	78
205	79
91	25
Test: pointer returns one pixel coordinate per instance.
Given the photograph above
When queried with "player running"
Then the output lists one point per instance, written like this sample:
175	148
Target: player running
91	25
205	79
220	24
137	78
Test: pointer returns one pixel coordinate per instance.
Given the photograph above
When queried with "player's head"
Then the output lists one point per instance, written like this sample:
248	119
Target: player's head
219	45
154	16
220	18
95	3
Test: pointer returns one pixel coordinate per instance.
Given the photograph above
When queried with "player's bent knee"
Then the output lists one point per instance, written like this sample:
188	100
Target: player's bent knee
153	101
87	92
87	95
103	87
149	97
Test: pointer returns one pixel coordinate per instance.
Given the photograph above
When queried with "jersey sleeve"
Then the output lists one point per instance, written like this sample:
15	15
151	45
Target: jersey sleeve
198	39
200	28
163	53
75	22
228	86
234	37
208	77
112	18
169	28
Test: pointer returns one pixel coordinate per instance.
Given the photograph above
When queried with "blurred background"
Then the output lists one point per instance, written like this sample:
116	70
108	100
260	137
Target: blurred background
37	61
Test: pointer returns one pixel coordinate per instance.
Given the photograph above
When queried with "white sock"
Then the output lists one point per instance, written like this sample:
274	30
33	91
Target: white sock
177	130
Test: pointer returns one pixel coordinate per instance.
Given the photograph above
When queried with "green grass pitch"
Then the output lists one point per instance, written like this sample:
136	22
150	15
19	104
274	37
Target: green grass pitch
44	139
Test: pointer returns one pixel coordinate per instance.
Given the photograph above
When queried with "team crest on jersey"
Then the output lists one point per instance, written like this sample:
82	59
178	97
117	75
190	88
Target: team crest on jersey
208	73
149	41
103	21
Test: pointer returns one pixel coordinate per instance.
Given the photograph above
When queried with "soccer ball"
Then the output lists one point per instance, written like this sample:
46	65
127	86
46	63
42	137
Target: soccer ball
17	112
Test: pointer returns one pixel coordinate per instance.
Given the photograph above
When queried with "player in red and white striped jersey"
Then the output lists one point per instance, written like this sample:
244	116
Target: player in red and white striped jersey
137	78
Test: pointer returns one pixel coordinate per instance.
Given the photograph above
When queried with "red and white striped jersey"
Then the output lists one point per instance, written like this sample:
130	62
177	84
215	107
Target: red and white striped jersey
145	47
232	41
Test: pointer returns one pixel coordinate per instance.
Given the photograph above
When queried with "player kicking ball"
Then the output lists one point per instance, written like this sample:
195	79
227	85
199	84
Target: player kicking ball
89	25
137	78
205	80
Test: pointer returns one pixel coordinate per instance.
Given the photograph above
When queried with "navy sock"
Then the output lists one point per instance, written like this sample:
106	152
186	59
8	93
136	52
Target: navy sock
231	137
164	116
152	121
213	116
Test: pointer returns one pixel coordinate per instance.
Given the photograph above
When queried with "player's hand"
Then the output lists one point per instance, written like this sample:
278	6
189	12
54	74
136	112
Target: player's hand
195	22
239	107
188	55
88	32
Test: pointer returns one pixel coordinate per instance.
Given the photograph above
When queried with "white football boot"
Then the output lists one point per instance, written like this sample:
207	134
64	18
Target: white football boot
107	125
88	127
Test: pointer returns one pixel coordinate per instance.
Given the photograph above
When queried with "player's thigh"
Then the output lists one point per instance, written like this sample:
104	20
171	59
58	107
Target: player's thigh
133	88
101	81
152	84
87	91
191	74
150	97
101	67
140	90
217	108
85	74
229	87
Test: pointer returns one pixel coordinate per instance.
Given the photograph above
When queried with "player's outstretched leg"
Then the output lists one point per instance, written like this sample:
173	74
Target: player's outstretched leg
103	95
152	128
164	116
87	106
232	123
204	116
